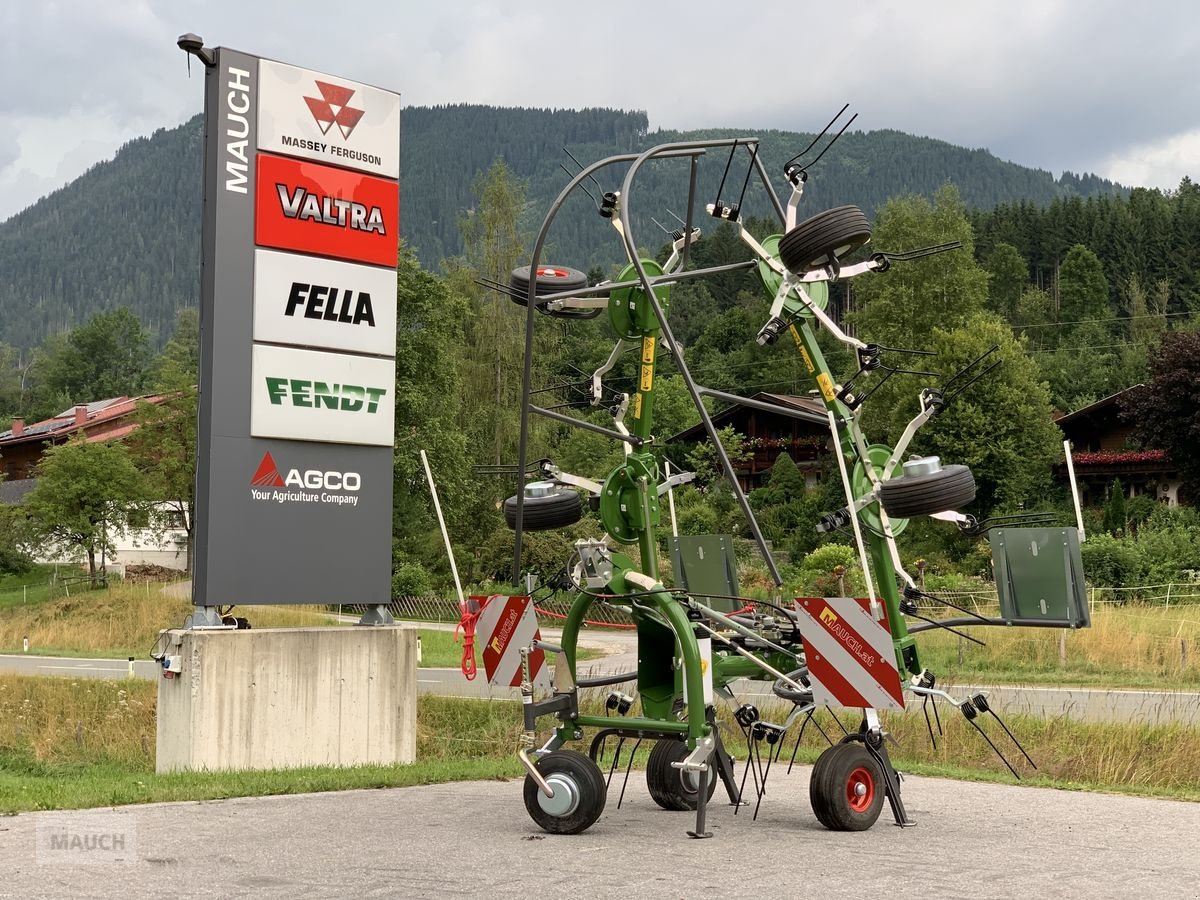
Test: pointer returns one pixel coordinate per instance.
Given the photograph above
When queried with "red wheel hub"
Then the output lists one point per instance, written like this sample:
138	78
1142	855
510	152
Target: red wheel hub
548	272
860	790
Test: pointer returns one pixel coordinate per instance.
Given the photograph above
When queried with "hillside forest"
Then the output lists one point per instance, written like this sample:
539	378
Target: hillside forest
1081	298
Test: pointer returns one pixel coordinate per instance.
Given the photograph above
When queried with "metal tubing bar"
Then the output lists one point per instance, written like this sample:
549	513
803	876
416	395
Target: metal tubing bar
667	278
691	203
744	632
587	426
676	354
527	369
750	656
633	724
765	179
763	405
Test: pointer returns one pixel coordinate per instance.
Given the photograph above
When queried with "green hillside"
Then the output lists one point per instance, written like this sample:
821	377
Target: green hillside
126	232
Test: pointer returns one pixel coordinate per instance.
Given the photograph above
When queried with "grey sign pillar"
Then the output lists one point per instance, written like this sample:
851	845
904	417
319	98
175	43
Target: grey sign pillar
278	521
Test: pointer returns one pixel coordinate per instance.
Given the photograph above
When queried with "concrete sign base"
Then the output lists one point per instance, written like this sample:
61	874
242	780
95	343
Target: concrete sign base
276	698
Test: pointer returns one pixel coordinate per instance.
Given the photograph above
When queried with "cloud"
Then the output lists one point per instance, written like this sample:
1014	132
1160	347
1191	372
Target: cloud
1045	83
1160	164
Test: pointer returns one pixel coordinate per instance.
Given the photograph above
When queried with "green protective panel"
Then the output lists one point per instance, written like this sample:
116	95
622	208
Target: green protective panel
860	482
1039	577
629	311
705	564
818	291
621	505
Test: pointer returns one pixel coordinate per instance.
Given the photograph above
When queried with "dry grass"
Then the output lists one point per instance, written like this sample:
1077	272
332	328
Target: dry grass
1130	645
123	620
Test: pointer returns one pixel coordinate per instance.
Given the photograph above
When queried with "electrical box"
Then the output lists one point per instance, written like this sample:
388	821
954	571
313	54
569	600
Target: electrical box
1039	577
705	564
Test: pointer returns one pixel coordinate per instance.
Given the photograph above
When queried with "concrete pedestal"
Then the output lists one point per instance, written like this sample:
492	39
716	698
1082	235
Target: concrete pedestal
284	697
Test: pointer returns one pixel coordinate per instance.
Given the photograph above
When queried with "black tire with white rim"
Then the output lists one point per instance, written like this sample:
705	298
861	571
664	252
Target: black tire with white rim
579	793
547	506
927	490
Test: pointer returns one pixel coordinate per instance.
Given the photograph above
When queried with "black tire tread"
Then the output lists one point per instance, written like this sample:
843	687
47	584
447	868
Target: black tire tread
545	513
827	790
952	487
814	241
519	282
666	783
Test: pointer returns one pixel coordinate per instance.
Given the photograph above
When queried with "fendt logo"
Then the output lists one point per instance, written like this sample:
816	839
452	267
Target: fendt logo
323	395
333	108
268	476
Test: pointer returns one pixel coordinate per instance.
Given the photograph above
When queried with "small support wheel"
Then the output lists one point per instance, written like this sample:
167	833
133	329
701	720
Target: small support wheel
579	793
847	788
550	280
546	511
673	788
821	239
950	487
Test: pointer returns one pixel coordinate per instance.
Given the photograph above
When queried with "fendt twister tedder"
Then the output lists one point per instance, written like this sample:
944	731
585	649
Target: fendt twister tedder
858	653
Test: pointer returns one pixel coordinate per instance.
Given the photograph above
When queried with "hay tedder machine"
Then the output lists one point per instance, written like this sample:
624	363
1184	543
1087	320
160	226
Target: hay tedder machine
694	643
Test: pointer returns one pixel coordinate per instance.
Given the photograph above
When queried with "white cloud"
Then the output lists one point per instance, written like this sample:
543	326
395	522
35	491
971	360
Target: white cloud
1159	164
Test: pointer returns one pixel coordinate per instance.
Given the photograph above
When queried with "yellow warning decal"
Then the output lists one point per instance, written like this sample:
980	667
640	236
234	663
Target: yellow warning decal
647	381
808	363
637	406
825	383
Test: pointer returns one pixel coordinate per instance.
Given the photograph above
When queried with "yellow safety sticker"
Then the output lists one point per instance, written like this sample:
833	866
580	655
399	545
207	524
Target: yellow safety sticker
808	363
825	383
647	381
637	406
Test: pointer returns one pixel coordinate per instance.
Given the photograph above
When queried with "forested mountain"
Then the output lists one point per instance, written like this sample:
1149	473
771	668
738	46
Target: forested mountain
126	233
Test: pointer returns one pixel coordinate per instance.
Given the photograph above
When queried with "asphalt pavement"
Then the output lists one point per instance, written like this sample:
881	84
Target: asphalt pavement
475	839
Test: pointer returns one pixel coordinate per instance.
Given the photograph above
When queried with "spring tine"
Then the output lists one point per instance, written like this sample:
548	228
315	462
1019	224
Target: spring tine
938	718
799	738
995	749
928	723
742	786
616	761
766	772
1012	737
628	768
836	719
824	131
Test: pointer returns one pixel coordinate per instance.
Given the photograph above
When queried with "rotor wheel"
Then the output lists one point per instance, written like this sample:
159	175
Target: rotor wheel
846	789
951	487
557	510
579	793
671	788
824	238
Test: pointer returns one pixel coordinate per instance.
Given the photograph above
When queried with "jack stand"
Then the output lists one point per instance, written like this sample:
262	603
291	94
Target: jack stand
702	803
874	742
377	615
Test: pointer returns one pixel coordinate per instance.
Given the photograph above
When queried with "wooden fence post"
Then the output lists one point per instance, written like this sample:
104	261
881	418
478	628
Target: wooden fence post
1062	647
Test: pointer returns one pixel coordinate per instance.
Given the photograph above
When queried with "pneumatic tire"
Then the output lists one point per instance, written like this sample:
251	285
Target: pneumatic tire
846	789
673	788
823	238
582	797
557	510
951	487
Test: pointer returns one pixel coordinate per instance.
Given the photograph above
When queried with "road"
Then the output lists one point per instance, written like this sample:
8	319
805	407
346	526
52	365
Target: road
475	839
1086	704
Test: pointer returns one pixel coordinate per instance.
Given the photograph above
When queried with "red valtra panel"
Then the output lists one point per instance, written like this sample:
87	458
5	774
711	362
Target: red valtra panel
312	208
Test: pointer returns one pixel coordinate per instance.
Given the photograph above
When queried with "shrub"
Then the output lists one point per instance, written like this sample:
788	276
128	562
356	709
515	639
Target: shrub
1112	562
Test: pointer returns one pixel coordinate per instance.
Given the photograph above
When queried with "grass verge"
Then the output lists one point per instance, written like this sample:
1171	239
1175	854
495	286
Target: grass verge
68	745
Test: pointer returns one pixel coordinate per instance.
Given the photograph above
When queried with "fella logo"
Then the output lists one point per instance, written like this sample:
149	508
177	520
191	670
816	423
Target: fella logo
318	209
315	301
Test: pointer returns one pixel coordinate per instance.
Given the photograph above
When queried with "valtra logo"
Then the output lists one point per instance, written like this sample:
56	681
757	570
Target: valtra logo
333	108
307	486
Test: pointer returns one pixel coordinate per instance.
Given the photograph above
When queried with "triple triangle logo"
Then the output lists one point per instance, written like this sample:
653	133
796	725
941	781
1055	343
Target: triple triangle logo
333	108
267	474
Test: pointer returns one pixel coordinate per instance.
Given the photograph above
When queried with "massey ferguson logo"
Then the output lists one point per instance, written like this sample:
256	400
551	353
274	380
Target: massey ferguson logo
307	486
306	206
333	108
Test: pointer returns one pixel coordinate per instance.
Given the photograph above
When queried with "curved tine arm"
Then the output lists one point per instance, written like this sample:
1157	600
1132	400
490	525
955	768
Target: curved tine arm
688	148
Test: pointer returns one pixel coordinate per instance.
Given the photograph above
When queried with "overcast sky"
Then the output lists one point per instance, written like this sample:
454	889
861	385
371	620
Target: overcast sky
1089	85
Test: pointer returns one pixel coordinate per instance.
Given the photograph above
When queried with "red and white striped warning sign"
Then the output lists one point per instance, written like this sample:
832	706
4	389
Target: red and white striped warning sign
505	625
851	661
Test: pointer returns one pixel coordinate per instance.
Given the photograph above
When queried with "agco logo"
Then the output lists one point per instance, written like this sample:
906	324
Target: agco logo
333	108
269	483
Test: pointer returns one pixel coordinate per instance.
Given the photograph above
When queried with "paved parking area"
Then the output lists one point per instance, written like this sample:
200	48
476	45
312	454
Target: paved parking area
475	839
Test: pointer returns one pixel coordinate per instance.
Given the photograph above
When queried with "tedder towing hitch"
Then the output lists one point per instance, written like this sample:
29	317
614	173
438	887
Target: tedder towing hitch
696	640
